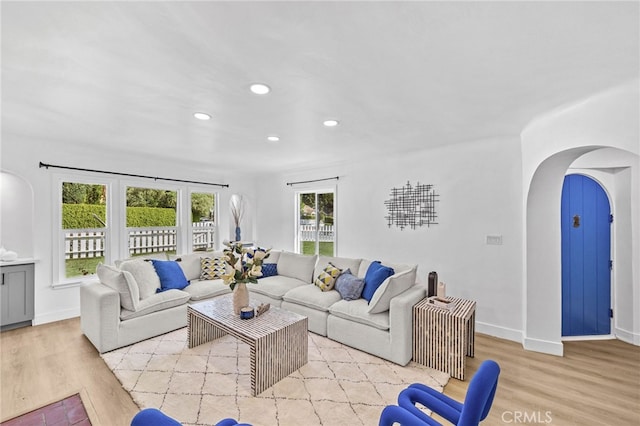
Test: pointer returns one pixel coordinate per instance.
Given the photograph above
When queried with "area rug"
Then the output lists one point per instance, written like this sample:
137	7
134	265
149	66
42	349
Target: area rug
68	411
200	386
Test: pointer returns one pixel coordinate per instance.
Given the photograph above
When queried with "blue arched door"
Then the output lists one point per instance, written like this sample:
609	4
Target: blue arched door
586	257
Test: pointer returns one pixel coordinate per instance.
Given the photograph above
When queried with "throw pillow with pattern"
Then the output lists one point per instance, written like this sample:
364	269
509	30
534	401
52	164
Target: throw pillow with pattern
211	268
269	270
327	278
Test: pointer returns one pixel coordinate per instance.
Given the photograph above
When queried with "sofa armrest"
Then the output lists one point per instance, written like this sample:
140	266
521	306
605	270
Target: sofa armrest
401	321
100	315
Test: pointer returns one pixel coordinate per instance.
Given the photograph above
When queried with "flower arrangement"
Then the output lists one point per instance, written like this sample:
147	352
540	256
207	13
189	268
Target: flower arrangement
243	265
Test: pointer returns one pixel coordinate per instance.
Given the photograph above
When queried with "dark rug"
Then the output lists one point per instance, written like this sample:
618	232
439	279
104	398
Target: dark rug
66	412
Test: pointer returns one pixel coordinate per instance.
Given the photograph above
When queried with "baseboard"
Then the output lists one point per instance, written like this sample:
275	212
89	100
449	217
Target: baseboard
627	336
56	316
499	332
543	346
584	338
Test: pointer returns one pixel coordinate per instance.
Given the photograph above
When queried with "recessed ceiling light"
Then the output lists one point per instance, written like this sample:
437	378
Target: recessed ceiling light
202	116
260	88
330	123
273	138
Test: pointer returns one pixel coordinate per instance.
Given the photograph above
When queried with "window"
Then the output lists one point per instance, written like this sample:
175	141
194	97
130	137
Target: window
316	222
203	221
83	228
170	219
151	224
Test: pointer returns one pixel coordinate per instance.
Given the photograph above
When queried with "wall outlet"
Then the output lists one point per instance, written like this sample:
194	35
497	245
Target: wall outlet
494	240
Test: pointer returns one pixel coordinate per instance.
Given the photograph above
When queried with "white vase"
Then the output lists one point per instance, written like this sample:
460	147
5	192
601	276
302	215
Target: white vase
240	297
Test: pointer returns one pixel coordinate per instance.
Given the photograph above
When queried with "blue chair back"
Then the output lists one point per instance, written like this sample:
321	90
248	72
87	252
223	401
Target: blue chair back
480	394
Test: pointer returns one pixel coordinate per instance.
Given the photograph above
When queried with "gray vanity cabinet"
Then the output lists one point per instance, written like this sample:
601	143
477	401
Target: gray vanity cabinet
16	296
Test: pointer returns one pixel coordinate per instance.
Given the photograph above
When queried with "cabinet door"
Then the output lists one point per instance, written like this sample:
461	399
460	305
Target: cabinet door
16	295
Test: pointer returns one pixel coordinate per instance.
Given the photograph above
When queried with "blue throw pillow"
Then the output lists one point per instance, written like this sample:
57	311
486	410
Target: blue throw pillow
269	269
170	274
349	286
375	276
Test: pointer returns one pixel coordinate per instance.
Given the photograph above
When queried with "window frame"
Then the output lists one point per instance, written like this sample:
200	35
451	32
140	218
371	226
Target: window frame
216	216
116	231
60	278
317	190
124	229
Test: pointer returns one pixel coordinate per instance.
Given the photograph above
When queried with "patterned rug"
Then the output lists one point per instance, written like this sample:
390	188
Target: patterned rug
200	386
66	412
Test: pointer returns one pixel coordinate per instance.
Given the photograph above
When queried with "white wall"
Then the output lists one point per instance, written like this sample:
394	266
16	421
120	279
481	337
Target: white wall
550	145
21	157
16	230
479	187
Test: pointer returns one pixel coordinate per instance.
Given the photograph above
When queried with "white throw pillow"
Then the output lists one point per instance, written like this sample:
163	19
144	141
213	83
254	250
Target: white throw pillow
156	256
117	280
145	275
390	288
298	266
190	263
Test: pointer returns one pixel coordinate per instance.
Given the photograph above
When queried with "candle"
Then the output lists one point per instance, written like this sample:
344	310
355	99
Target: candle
441	291
246	312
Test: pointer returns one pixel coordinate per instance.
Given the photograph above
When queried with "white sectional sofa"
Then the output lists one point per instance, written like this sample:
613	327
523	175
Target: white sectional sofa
110	318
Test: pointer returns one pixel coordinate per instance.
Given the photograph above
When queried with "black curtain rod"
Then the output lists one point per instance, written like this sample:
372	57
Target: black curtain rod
129	175
315	180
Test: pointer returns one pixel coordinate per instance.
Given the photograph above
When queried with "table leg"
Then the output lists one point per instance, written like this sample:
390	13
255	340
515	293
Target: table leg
471	333
277	355
200	330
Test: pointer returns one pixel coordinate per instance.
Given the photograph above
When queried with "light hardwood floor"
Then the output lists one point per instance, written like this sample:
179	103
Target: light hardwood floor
595	383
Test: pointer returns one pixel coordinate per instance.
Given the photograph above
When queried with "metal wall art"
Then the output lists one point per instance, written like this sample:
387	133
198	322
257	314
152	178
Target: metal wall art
412	206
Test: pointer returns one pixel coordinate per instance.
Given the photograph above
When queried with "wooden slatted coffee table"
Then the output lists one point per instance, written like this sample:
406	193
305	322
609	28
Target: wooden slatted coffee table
277	339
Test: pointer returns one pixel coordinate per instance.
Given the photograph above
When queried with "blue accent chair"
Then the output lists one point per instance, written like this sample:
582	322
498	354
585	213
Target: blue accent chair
392	414
476	406
155	417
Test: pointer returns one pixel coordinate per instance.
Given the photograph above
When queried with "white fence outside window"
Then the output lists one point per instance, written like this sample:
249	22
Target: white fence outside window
308	233
80	243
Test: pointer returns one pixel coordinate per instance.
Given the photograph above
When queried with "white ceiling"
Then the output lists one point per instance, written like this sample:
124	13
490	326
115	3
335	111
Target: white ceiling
399	76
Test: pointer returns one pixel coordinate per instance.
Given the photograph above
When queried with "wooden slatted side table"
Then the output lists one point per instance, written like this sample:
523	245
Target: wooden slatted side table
442	337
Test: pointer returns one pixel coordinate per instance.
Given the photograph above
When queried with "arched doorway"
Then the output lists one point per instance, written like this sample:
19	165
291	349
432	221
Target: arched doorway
586	257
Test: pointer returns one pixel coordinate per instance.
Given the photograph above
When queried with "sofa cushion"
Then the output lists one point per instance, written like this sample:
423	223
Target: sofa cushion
212	267
343	263
122	282
170	274
298	266
144	274
148	256
312	296
327	278
156	302
273	257
390	288
364	266
190	263
375	276
399	267
275	287
206	289
356	310
349	286
269	270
